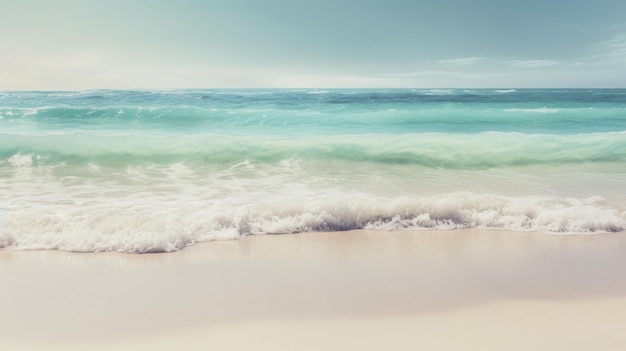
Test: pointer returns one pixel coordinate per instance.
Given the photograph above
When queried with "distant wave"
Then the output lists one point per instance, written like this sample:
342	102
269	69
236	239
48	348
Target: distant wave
335	117
533	110
455	151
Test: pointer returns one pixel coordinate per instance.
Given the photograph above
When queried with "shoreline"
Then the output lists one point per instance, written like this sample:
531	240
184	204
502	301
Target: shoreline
311	283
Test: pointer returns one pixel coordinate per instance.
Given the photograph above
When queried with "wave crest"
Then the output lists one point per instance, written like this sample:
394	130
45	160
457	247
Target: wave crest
143	229
452	151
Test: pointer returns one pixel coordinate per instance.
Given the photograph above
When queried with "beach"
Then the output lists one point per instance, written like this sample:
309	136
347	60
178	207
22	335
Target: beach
440	290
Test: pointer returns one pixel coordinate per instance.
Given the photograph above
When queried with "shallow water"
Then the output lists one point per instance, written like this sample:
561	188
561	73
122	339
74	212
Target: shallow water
152	171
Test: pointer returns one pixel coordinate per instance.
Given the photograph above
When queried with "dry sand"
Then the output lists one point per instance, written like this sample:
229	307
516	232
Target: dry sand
358	290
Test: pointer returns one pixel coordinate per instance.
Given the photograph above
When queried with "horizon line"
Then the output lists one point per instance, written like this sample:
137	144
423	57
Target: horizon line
311	88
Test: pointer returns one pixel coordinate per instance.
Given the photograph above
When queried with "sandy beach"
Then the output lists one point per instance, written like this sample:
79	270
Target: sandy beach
355	290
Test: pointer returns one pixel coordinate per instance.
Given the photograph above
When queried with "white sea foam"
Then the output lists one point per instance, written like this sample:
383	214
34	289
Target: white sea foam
132	222
505	91
533	110
94	167
22	160
148	207
439	92
30	111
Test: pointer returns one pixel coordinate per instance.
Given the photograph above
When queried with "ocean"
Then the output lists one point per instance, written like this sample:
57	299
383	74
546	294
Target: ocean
155	171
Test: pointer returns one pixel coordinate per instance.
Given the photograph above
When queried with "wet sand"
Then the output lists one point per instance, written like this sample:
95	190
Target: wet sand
436	290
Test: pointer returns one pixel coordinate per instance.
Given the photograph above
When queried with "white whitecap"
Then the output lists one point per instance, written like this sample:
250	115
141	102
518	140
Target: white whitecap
21	160
168	218
533	110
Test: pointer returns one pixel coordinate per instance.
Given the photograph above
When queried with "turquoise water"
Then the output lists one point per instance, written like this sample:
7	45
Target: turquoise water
146	171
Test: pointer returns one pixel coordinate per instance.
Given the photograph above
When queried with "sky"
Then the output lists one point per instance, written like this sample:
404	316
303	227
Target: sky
159	44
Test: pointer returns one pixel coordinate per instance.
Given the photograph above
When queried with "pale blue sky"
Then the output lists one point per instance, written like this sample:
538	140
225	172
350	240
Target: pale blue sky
83	44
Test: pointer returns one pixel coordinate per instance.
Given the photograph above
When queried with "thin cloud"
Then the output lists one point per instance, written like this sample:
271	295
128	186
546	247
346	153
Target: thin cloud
430	73
464	61
533	63
612	51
